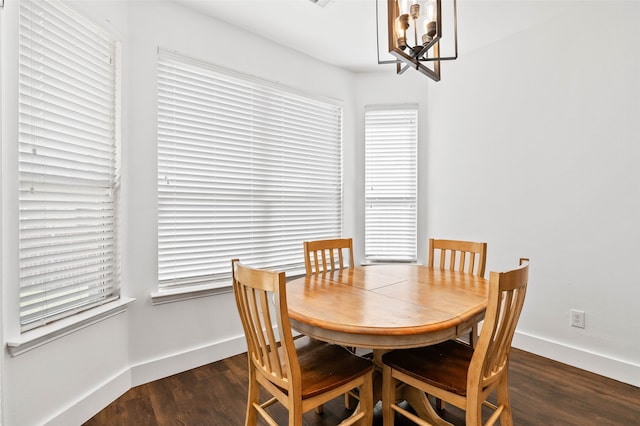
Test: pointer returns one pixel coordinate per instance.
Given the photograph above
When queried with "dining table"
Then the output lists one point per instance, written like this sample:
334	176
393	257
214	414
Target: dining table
383	307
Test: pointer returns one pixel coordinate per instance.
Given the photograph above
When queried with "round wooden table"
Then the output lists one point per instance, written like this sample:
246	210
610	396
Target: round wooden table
386	307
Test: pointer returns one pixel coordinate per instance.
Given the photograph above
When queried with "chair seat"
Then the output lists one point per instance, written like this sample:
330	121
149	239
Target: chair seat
444	365
325	366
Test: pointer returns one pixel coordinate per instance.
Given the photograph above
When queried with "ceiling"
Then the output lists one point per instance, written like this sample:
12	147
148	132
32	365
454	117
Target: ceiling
343	33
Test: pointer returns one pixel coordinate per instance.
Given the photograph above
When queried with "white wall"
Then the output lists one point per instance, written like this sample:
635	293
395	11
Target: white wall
529	143
535	143
532	144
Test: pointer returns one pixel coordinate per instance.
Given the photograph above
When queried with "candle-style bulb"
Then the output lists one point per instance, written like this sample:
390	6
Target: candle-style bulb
402	24
430	27
414	10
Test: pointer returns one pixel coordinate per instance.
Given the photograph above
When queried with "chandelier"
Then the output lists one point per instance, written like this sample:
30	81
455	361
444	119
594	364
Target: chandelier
420	34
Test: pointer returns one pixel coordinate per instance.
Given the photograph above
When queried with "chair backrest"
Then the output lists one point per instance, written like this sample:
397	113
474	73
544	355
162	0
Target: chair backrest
461	256
327	255
261	297
491	355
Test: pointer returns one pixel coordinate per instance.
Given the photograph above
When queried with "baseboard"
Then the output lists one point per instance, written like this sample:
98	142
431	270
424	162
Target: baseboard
620	370
165	366
104	394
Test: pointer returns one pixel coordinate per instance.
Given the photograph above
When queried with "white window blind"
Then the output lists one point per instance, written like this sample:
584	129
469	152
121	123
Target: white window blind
67	164
391	136
246	169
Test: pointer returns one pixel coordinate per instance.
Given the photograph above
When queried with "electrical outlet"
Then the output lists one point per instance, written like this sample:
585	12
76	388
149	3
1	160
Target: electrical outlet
577	318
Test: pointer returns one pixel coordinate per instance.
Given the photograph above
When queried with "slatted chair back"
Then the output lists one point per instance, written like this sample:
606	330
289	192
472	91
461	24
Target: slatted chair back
506	298
261	299
322	256
461	256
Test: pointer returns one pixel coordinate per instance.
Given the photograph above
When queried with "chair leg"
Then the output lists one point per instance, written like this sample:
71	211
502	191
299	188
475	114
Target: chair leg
502	396
366	400
295	413
253	397
388	396
347	396
474	413
294	420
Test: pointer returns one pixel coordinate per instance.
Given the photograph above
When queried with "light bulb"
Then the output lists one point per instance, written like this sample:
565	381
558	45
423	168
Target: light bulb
402	24
414	10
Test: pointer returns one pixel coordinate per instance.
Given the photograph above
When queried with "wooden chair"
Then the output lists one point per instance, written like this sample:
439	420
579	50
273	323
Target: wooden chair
327	255
461	256
322	256
300	374
457	373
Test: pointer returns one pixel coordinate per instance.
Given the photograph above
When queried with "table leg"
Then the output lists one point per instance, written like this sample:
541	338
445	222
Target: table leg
420	403
377	374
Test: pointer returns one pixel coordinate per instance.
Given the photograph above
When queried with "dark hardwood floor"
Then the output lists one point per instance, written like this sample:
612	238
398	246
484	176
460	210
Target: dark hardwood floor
543	392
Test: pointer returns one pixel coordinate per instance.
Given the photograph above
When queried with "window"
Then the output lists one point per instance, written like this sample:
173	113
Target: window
67	164
391	135
246	169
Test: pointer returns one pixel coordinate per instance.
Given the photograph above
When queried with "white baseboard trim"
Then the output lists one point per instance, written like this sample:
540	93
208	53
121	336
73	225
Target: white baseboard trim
620	370
104	394
101	396
165	366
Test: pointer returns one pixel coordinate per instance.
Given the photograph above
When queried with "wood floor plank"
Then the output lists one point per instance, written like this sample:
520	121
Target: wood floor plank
543	392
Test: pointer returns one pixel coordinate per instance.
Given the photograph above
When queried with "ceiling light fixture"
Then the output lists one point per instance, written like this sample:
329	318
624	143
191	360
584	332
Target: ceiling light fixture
418	36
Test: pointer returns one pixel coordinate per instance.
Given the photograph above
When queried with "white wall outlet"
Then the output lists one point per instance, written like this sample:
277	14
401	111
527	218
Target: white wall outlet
577	318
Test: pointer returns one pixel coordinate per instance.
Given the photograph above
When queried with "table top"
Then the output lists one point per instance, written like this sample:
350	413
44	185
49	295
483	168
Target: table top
386	306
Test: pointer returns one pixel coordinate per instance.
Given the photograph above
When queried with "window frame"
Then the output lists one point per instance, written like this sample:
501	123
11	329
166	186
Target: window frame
179	288
48	326
383	245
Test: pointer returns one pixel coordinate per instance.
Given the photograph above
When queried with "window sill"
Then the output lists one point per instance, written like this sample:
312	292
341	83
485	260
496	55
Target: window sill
178	294
48	333
161	297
